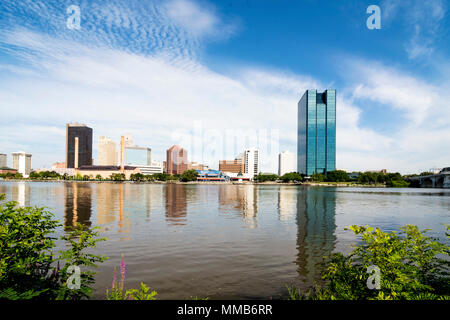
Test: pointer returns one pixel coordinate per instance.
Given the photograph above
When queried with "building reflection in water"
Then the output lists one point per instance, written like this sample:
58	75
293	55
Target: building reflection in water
287	202
20	193
316	208
176	204
241	197
78	204
111	209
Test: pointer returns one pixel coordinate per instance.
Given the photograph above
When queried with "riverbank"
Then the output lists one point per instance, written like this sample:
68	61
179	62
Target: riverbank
308	183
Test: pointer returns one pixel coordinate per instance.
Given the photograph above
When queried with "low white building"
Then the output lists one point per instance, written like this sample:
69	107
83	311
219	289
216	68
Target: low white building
155	167
60	171
22	163
286	163
236	176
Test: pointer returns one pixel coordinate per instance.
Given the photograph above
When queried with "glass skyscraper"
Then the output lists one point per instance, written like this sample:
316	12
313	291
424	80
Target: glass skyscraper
316	135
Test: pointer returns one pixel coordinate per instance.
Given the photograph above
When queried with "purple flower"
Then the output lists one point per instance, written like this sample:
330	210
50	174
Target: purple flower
122	271
114	279
122	268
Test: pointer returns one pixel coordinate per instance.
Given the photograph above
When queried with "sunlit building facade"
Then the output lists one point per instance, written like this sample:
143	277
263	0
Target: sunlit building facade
22	163
316	135
177	160
107	154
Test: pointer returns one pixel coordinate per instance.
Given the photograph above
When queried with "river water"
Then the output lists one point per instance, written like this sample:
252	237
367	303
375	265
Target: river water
226	241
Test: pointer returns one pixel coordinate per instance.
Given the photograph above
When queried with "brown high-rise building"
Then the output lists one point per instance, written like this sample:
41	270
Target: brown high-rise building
234	166
176	162
83	134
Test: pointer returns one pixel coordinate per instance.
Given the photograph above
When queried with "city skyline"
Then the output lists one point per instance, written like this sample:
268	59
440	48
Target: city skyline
147	70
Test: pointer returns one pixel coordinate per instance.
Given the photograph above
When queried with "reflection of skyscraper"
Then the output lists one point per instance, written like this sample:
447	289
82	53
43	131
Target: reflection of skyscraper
107	198
21	193
242	197
175	204
78	206
287	202
316	208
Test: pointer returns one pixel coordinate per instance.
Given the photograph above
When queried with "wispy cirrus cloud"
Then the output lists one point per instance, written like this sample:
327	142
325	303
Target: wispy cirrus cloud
423	20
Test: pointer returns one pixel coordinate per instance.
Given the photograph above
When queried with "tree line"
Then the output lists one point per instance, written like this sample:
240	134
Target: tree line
389	179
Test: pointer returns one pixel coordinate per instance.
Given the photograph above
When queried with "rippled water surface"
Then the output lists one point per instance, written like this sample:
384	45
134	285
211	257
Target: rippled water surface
226	241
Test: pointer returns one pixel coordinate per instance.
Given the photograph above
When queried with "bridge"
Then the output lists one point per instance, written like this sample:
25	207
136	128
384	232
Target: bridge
440	180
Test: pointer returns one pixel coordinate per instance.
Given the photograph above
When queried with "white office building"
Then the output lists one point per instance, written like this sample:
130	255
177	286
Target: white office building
155	167
22	163
286	163
251	162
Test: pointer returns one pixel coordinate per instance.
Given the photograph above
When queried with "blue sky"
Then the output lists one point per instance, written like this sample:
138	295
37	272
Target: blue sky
219	76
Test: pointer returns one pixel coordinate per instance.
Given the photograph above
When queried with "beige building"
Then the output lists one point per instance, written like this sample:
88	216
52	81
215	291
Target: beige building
234	166
59	165
128	140
3	160
197	166
106	171
22	162
107	154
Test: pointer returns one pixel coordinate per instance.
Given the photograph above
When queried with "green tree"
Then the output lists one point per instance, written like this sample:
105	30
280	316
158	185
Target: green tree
34	175
98	177
291	176
18	175
137	177
319	177
118	177
266	177
189	175
337	176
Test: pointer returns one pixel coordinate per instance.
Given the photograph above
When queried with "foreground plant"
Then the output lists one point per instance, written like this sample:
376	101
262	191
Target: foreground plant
28	267
117	289
411	265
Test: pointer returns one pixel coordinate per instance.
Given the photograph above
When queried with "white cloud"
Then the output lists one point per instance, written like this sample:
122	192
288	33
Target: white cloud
422	19
161	93
416	141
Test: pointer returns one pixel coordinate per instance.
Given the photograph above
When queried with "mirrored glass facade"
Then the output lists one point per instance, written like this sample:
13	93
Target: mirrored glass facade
138	156
316	135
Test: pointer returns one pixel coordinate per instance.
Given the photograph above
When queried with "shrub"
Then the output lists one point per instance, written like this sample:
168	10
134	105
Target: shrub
397	184
28	268
412	266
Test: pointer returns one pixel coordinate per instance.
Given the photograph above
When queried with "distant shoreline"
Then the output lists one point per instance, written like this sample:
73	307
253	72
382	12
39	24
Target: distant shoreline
309	184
